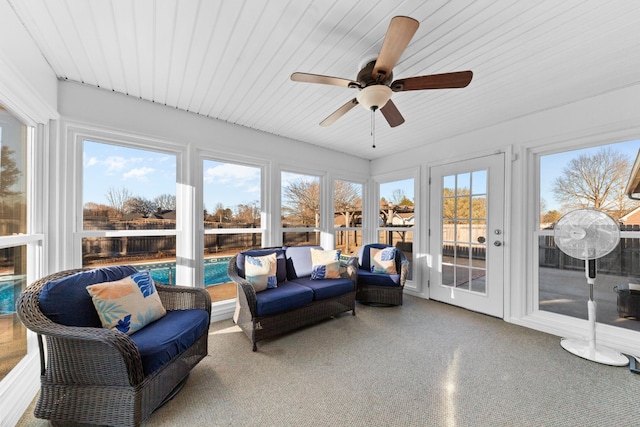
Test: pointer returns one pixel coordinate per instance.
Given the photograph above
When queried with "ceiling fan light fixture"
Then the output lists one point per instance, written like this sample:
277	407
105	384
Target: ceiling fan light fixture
374	96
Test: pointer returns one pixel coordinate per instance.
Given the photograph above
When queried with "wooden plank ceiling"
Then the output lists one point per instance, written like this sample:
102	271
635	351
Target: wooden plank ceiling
231	60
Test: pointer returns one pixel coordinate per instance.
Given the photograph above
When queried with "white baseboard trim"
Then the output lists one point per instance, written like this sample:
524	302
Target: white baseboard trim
222	310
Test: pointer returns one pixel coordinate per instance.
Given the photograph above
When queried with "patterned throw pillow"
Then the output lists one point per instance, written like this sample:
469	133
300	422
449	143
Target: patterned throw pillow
127	304
325	264
260	271
383	261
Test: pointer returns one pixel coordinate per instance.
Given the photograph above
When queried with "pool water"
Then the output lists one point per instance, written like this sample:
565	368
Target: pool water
215	271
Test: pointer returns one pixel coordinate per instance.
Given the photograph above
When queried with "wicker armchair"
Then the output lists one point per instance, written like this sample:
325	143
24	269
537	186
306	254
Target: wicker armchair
380	289
95	375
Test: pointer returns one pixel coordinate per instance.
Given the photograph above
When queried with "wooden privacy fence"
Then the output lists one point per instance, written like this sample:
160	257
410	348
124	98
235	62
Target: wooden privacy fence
624	260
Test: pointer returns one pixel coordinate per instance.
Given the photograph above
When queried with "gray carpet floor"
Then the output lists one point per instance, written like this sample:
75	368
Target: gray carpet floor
421	364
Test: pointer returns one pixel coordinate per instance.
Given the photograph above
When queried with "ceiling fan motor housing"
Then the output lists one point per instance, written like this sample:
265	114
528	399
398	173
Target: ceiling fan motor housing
365	76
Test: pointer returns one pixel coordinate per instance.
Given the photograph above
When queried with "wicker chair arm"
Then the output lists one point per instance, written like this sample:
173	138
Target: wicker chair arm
114	347
404	269
351	269
243	285
82	348
183	297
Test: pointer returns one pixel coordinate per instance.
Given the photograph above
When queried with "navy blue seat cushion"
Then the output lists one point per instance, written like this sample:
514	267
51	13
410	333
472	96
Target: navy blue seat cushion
326	288
67	302
299	261
286	296
281	266
162	340
375	279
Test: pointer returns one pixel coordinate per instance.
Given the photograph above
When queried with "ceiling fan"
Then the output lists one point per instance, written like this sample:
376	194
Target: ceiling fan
375	80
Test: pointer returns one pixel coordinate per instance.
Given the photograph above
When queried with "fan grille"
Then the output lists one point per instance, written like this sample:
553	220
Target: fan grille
586	234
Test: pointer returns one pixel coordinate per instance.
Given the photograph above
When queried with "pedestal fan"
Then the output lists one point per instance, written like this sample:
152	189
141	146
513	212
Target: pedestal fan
589	234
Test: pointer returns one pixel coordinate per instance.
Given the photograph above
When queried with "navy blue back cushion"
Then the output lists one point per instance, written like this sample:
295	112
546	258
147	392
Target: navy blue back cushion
299	261
67	302
364	256
281	273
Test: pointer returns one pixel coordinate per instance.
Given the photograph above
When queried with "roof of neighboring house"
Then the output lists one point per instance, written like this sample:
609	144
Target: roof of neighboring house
633	186
625	218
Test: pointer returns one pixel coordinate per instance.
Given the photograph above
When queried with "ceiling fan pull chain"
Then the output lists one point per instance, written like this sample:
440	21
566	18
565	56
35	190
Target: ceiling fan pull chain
373	126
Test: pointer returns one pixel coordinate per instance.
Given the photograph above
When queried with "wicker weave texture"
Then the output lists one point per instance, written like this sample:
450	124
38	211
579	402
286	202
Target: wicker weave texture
94	375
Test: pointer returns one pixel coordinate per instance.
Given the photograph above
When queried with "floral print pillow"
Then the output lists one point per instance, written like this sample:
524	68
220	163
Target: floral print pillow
127	304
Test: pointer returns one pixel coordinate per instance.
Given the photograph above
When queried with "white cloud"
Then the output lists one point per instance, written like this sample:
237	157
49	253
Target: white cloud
230	174
139	173
91	161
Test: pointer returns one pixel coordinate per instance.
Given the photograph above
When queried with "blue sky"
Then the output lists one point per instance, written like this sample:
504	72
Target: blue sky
551	167
149	174
144	173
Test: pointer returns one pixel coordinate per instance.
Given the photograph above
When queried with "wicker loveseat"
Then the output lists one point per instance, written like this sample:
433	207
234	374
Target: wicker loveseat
298	300
102	376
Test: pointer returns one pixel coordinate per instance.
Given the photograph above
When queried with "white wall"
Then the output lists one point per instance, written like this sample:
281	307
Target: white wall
107	109
606	118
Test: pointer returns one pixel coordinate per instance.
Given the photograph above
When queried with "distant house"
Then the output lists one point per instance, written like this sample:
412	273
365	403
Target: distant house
632	218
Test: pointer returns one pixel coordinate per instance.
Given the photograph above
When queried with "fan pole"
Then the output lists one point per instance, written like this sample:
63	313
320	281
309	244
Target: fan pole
587	349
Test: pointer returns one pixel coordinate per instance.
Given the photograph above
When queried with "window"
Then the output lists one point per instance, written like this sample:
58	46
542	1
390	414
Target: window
129	208
15	139
397	217
347	211
232	220
593	178
300	209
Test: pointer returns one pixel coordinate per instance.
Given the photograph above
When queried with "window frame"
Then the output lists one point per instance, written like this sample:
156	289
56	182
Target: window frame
324	210
37	199
78	134
363	201
545	320
413	283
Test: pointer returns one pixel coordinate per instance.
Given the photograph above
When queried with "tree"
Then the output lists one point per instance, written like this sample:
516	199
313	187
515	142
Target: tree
397	196
144	207
117	199
222	214
347	200
248	213
301	201
595	181
551	217
405	202
9	173
166	202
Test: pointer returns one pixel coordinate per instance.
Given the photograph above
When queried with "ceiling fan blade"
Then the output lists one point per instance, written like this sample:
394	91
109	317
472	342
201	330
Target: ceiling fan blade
399	34
454	80
326	80
391	113
339	112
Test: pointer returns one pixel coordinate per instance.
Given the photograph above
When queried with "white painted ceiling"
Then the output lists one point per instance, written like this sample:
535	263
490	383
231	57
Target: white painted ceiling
231	60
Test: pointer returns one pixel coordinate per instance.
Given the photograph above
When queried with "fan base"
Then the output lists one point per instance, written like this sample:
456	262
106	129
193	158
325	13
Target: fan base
600	354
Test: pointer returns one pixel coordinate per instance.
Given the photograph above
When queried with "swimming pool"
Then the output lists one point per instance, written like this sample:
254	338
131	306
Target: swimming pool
10	287
215	271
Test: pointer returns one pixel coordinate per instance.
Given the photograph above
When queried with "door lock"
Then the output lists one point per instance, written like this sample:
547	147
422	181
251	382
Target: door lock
497	243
